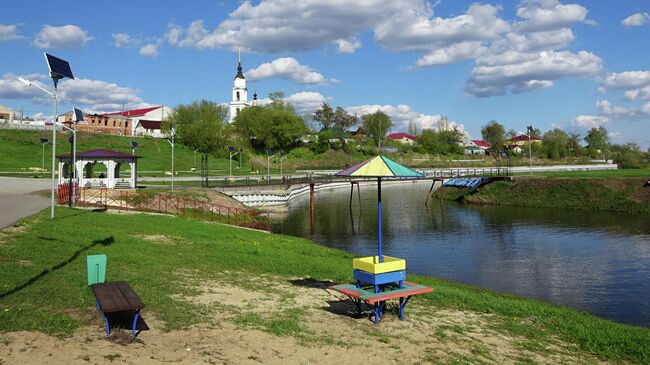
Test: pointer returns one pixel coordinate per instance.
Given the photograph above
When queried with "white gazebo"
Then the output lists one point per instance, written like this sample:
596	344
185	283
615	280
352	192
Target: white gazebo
88	160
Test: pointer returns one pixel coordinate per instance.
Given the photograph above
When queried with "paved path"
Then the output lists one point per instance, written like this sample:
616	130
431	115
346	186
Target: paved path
17	198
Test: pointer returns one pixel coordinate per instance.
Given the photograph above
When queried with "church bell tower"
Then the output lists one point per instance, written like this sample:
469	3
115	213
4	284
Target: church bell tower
239	91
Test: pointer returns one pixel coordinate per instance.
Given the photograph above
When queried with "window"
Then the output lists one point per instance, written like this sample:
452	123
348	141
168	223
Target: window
237	95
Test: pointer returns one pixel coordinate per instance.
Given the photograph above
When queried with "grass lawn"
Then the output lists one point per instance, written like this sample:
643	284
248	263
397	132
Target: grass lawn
43	281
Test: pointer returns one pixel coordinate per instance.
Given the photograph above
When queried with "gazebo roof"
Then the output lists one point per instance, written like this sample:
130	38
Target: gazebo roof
100	153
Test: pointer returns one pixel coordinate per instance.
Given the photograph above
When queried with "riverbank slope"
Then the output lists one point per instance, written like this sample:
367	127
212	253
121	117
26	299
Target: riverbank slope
626	195
221	294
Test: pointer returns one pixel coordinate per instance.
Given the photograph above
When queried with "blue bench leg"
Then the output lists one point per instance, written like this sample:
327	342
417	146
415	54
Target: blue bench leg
402	305
106	325
135	321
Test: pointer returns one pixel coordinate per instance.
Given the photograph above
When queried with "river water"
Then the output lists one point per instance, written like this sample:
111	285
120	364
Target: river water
595	261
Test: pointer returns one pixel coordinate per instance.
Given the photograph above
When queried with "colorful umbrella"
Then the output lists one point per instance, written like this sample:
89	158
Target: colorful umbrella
380	167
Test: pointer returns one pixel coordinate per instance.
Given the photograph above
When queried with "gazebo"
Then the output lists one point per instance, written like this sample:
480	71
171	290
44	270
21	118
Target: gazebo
86	162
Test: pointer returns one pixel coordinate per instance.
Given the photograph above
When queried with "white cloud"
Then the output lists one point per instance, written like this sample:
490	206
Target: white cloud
95	95
348	45
606	107
544	15
590	121
149	50
306	102
520	72
9	32
638	94
121	40
67	36
646	108
626	80
636	20
451	54
287	68
402	114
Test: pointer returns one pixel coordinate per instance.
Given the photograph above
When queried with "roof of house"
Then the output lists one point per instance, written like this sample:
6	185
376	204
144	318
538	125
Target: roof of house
524	138
150	124
481	143
5	109
134	112
358	131
99	153
402	135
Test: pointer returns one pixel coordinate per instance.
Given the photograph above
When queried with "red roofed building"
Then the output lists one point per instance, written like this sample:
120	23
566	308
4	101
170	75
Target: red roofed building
156	113
403	138
476	147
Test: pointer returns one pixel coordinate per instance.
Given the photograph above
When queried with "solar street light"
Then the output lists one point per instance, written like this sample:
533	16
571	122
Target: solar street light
77	115
172	134
43	142
270	155
232	152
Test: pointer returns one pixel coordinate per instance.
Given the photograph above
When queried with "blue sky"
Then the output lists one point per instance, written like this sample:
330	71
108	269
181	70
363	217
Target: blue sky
571	64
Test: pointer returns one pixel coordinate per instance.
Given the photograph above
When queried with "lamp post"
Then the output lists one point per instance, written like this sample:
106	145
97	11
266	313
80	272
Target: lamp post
232	152
73	175
281	157
173	133
241	157
43	143
530	130
269	154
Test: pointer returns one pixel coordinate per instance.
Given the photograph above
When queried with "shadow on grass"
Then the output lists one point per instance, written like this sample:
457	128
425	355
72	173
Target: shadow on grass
312	283
104	242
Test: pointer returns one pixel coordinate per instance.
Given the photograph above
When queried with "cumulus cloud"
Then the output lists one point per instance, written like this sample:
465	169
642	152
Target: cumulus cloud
638	94
149	50
287	68
121	40
626	80
93	95
590	121
544	15
451	54
67	36
606	107
636	20
9	32
306	102
347	45
402	115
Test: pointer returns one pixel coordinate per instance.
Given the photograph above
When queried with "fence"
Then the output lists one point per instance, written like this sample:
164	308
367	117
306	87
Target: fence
169	204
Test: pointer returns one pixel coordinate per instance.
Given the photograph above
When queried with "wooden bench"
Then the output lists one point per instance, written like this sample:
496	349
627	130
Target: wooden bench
377	301
119	304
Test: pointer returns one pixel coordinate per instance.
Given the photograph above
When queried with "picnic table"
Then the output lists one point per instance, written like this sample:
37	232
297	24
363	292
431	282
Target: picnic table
119	304
376	299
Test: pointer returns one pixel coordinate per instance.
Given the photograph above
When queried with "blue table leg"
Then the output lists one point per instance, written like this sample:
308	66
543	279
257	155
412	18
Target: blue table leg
135	321
401	309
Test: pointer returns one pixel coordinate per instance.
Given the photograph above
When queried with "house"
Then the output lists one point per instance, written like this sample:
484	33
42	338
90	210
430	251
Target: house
149	128
403	138
359	134
100	123
6	114
158	113
476	147
516	144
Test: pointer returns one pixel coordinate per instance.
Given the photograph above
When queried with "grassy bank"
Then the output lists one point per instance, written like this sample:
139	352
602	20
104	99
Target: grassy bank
42	286
625	195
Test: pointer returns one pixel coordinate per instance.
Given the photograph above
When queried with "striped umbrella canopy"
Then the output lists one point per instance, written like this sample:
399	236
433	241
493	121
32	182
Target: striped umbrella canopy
380	167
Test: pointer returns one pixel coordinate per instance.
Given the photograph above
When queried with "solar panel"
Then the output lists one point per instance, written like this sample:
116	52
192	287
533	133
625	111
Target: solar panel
44	140
232	149
58	68
77	115
134	145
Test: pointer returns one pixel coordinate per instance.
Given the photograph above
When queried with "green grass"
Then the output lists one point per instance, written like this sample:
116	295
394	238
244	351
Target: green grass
599	174
43	285
21	150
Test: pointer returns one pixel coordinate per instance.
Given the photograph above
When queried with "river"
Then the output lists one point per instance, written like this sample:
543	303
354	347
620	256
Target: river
595	261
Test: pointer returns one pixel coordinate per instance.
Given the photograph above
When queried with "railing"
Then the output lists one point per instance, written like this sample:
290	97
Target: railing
168	204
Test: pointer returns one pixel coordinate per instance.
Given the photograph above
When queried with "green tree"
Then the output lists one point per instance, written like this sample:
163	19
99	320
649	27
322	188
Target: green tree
627	156
201	126
573	144
440	142
325	116
555	144
376	125
494	133
597	139
274	126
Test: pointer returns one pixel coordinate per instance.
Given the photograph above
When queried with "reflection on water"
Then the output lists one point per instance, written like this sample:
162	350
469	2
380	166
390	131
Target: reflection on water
595	261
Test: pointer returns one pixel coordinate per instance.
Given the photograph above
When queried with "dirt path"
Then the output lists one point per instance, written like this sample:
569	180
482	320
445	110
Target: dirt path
266	320
18	199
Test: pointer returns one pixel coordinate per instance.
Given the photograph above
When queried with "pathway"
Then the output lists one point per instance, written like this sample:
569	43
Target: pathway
19	200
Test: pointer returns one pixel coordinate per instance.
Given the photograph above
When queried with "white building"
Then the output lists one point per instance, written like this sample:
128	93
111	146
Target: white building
150	128
6	114
239	92
157	113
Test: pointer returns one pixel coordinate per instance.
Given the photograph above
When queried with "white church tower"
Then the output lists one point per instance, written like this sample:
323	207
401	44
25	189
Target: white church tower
239	92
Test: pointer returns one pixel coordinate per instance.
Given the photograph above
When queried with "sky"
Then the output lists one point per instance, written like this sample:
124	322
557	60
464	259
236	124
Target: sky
547	63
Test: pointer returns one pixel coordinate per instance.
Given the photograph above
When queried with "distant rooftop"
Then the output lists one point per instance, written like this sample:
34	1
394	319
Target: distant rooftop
99	153
134	112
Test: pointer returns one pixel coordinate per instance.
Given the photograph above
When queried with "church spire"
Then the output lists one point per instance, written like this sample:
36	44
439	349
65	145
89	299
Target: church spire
240	75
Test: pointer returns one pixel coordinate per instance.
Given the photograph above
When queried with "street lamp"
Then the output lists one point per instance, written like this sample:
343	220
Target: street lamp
59	69
173	133
43	143
241	156
281	157
270	155
530	131
232	152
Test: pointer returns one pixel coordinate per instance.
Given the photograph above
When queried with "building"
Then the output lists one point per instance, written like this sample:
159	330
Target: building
100	123
239	92
6	114
516	144
149	128
476	147
403	138
157	113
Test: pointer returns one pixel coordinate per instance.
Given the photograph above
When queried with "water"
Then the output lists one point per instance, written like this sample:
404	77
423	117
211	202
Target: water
599	262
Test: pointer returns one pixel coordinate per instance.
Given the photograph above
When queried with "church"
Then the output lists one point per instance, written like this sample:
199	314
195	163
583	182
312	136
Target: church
239	92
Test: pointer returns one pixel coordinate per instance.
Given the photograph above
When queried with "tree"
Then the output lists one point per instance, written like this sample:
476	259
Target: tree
494	133
440	142
412	128
555	143
376	125
274	126
511	134
200	126
627	156
597	139
574	143
325	115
